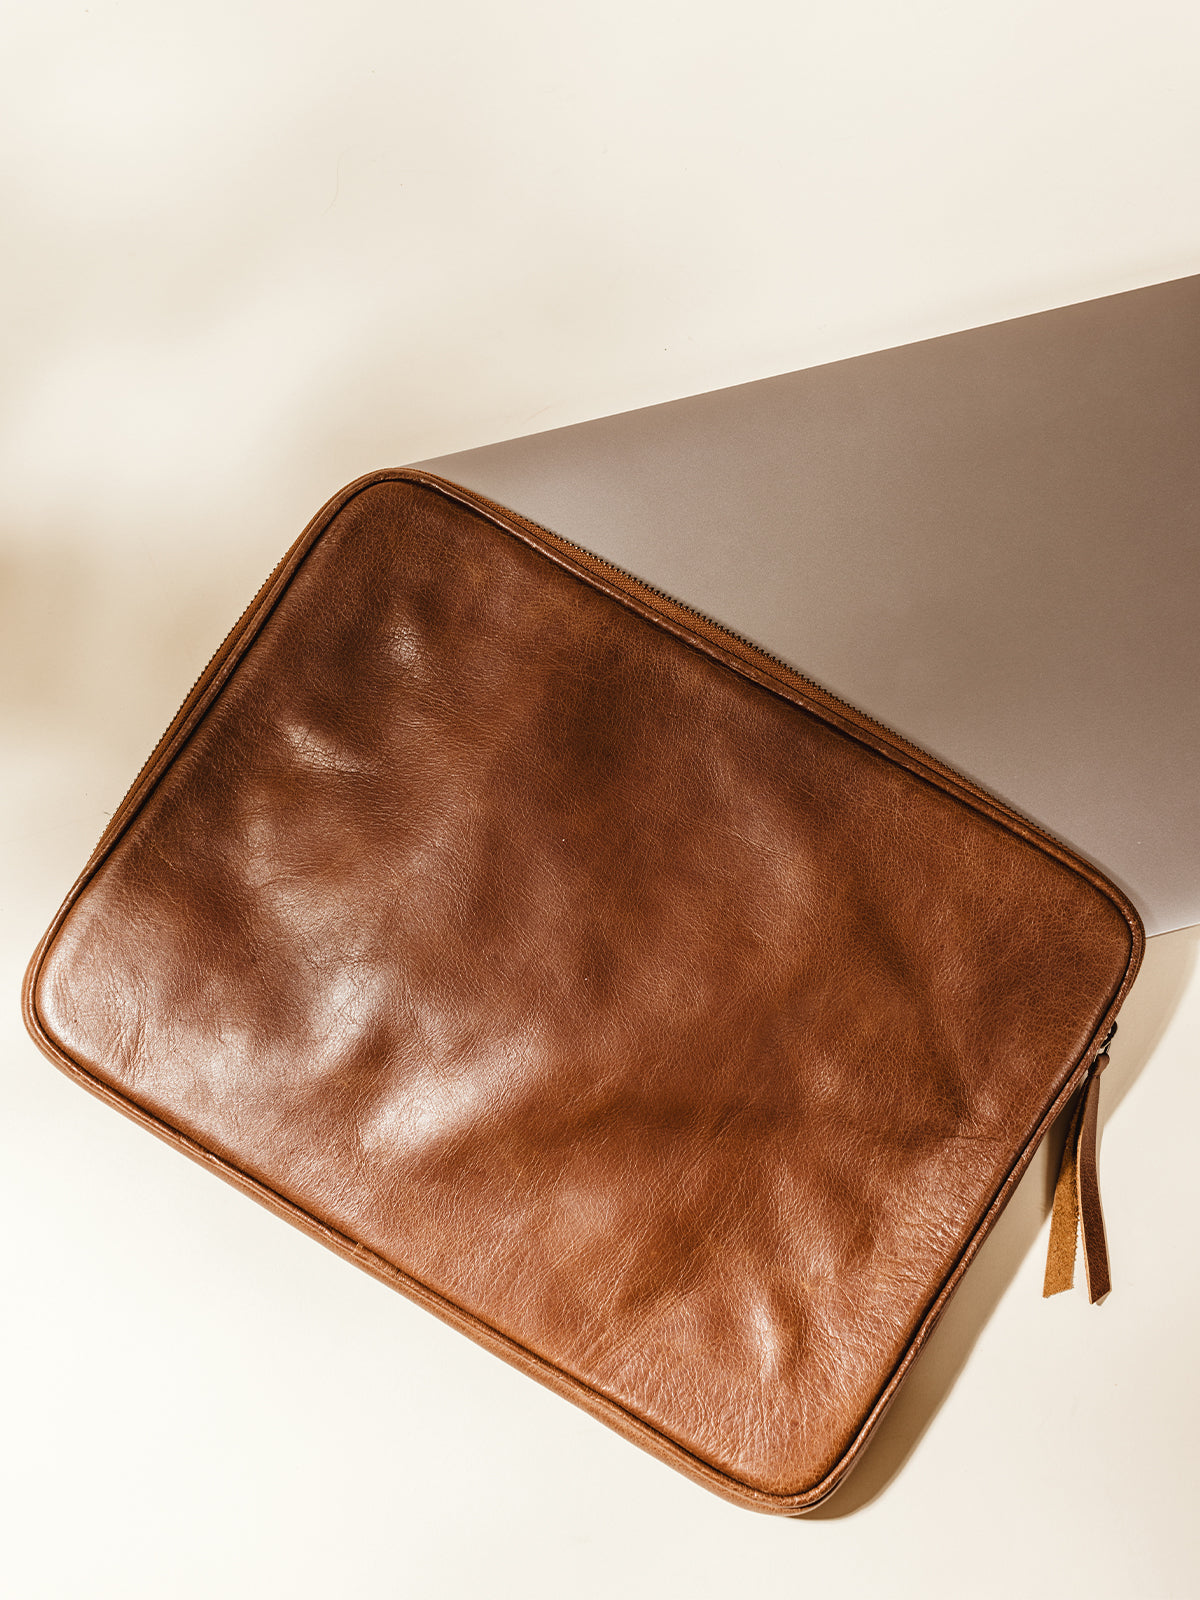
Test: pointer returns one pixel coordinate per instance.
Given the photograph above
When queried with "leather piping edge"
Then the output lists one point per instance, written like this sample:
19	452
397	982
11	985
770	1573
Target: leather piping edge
805	693
187	719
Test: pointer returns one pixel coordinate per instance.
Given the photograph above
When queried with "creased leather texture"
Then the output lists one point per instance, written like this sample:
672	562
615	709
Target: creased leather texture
605	987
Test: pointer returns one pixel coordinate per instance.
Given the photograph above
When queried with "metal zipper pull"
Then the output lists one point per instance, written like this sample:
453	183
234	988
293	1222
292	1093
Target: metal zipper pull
1077	1206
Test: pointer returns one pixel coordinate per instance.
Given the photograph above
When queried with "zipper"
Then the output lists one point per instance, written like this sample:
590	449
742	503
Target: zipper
1082	1137
1078	1214
657	600
718	633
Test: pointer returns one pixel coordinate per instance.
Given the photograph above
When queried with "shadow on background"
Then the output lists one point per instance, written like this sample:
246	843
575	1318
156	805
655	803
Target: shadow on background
95	656
1168	966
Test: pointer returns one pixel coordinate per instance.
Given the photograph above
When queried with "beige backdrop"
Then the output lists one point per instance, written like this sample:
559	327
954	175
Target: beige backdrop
253	250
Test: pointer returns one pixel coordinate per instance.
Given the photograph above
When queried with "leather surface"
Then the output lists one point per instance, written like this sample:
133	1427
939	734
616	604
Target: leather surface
650	1019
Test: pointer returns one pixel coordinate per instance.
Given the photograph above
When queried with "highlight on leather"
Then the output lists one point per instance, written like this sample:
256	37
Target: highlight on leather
617	993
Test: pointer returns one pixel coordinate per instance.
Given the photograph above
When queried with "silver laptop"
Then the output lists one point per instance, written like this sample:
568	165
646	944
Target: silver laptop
989	541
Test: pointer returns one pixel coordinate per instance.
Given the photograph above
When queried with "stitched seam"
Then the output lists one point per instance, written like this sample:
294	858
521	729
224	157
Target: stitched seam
799	1499
353	1249
224	667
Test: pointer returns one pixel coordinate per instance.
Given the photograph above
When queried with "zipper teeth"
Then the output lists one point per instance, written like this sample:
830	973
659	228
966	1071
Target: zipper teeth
631	584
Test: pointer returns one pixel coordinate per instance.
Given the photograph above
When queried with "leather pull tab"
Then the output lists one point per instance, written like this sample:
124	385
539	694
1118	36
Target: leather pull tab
1077	1199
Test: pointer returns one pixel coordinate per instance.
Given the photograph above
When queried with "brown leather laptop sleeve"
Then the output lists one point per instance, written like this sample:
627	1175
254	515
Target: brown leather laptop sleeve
655	1018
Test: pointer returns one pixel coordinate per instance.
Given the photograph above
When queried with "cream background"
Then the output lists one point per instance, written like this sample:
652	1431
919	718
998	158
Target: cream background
253	250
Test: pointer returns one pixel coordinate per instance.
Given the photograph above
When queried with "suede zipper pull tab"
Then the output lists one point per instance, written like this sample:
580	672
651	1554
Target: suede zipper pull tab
1077	1196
